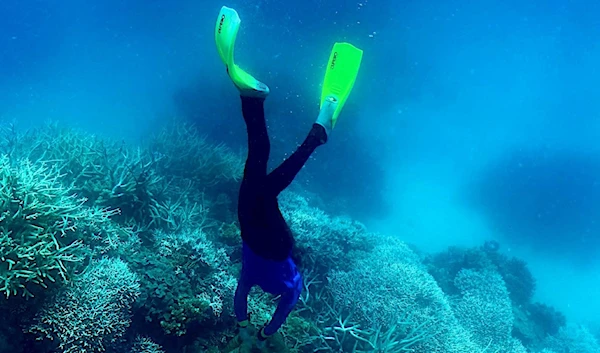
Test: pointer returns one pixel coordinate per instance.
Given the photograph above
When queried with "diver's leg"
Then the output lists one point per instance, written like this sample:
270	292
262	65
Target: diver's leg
282	176
258	139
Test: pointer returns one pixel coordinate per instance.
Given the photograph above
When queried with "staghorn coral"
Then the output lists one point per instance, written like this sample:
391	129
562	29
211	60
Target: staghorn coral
92	314
229	234
109	173
380	272
322	241
161	284
128	180
186	155
153	186
185	278
534	322
145	345
341	332
183	214
518	279
42	227
444	266
391	301
89	164
484	309
197	258
573	338
184	310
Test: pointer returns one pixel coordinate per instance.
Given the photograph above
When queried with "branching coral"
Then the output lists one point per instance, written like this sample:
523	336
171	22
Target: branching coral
129	181
519	281
38	227
183	214
205	264
187	155
107	172
484	309
185	278
341	332
392	291
323	241
388	283
145	345
191	249
94	312
183	311
154	186
46	229
573	338
111	174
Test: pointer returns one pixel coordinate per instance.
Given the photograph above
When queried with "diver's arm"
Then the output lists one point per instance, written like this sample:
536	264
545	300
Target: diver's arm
284	308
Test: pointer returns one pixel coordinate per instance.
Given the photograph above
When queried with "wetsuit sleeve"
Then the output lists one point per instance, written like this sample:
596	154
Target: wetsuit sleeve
284	308
240	301
282	176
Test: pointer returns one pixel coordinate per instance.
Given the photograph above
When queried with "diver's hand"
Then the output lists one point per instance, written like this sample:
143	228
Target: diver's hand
243	331
261	339
244	334
262	345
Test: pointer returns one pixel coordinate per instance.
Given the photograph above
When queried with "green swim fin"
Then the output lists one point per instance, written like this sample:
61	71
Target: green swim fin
226	30
342	69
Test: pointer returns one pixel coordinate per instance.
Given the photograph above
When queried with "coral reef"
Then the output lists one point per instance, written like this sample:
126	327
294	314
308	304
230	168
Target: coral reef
106	247
93	313
44	227
485	310
573	338
446	265
145	345
324	242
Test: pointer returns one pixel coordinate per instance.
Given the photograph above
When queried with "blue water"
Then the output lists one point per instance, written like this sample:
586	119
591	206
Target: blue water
469	121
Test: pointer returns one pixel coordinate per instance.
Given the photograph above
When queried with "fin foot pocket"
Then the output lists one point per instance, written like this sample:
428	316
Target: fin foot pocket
226	30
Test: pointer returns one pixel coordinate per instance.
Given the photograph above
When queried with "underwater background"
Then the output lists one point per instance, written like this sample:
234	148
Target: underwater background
455	208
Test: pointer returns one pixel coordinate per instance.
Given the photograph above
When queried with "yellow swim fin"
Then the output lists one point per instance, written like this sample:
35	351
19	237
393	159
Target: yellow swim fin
342	69
226	30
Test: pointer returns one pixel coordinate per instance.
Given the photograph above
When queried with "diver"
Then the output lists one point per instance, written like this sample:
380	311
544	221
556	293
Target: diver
267	240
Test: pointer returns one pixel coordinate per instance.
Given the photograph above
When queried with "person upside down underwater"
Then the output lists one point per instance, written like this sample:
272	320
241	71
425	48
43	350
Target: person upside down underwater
267	240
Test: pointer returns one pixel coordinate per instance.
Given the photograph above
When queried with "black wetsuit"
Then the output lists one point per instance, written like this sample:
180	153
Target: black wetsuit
268	240
263	227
